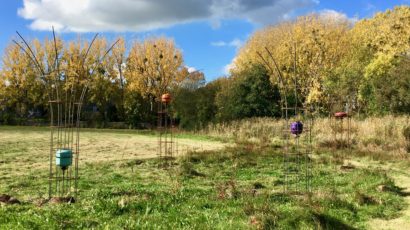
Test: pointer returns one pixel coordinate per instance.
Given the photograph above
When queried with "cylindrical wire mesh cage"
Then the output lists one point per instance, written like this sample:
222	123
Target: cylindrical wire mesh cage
298	121
297	145
167	145
65	115
66	94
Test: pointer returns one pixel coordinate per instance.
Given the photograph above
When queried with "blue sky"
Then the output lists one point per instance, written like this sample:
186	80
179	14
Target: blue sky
208	31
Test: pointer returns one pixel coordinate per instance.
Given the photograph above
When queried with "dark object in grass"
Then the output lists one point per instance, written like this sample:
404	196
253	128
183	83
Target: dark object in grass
193	172
187	169
4	198
296	128
278	182
194	159
61	200
258	185
364	199
347	167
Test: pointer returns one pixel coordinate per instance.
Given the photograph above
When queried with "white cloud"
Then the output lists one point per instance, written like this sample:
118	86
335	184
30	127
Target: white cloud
335	15
237	43
227	68
191	69
143	15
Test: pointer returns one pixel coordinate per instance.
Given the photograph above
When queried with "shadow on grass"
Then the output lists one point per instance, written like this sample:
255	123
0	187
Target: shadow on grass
395	189
329	222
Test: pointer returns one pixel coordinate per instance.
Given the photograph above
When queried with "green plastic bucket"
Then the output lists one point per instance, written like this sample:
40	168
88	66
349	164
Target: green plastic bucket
64	158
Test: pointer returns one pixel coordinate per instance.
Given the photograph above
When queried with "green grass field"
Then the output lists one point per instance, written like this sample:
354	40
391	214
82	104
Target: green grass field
214	185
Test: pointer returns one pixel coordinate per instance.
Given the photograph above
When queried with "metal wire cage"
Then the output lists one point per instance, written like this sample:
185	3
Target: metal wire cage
342	133
297	150
341	125
66	94
167	146
297	144
65	115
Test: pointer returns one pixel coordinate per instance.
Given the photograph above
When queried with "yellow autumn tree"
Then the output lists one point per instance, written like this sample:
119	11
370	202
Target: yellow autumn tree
386	35
118	71
22	87
154	66
315	42
378	45
89	65
190	79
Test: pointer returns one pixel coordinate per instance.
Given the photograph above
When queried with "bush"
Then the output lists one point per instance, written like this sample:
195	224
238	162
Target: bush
248	94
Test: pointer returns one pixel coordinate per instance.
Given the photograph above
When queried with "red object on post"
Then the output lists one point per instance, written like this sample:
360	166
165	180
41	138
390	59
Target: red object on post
340	115
166	98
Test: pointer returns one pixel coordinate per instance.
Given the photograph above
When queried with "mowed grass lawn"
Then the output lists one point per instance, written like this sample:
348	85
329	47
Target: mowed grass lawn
214	185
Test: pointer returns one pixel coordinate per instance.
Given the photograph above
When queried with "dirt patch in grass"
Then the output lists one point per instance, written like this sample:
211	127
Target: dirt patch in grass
6	199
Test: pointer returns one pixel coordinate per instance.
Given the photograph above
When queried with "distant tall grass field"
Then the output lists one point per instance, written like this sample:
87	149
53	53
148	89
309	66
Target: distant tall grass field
370	135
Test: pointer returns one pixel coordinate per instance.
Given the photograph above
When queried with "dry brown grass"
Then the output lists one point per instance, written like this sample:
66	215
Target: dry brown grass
24	149
253	129
371	135
374	134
